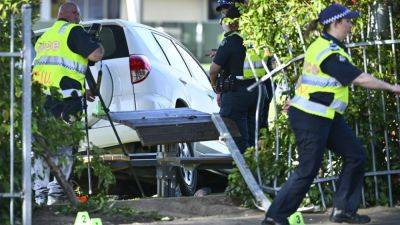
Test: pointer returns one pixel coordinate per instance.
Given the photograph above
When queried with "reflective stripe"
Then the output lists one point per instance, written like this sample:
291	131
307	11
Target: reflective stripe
323	53
63	28
68	93
319	81
240	77
256	64
59	61
309	105
65	93
339	106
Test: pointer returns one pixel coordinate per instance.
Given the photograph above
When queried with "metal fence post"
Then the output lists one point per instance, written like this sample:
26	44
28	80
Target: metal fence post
12	100
27	116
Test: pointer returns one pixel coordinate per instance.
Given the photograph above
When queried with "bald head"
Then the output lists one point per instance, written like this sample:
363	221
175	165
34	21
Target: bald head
70	12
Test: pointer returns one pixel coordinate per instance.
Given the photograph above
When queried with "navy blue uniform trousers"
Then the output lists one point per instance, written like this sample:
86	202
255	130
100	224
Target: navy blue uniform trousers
240	106
311	146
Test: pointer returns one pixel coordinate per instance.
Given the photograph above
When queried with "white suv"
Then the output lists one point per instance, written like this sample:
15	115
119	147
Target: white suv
146	69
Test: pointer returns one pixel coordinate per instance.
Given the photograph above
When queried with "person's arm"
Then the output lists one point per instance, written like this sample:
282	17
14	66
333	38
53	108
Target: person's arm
346	73
221	58
368	81
214	70
97	54
81	43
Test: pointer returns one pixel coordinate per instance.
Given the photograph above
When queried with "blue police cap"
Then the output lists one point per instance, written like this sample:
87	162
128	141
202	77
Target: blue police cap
335	12
224	3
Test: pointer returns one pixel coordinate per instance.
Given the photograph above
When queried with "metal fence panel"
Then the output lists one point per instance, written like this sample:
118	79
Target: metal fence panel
26	55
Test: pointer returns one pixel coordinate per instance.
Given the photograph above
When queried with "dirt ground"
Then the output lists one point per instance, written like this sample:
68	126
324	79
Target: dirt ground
208	210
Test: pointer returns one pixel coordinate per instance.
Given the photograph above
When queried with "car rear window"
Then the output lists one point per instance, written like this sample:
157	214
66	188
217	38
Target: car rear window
114	42
194	67
152	44
172	53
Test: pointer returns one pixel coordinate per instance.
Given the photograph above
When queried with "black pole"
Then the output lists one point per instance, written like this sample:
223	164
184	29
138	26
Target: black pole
88	144
92	86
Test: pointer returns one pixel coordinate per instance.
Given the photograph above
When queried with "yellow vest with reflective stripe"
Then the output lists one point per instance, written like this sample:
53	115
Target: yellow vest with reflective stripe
314	80
257	63
54	60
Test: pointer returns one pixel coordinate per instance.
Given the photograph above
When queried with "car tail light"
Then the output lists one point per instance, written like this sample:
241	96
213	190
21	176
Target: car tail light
140	67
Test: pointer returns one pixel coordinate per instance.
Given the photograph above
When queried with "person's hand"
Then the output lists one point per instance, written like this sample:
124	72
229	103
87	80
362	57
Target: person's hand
90	96
396	89
214	87
286	106
212	53
219	99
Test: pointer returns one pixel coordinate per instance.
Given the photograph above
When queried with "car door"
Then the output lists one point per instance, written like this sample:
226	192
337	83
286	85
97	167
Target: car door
179	69
202	95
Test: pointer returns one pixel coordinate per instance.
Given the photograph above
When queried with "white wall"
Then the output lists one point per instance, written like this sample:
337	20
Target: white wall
174	10
131	10
45	10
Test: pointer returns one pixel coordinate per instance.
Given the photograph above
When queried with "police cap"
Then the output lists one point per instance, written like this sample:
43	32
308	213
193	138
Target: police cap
224	4
228	4
335	12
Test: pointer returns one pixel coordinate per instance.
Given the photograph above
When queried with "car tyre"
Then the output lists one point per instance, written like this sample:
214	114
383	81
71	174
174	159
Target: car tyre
187	179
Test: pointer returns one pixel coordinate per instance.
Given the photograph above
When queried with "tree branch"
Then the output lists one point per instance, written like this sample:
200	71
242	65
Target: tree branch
55	170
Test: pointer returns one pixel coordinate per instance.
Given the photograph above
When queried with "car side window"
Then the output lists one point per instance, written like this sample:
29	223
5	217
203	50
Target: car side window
152	44
194	67
172	53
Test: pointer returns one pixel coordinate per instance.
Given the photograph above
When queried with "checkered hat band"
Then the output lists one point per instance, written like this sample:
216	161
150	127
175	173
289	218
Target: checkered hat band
226	2
336	17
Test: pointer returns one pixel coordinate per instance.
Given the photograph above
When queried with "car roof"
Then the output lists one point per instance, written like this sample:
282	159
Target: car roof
120	22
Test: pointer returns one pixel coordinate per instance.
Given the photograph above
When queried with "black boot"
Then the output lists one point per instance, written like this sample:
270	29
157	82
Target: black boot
340	216
270	221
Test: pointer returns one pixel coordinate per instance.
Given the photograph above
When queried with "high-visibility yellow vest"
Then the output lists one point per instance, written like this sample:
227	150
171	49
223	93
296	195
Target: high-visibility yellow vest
256	62
54	60
314	80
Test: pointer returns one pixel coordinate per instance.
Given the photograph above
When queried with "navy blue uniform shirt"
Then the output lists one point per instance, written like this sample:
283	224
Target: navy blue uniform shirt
339	68
79	42
231	54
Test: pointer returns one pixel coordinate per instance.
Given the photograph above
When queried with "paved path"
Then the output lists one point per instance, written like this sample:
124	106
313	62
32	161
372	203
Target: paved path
208	210
379	215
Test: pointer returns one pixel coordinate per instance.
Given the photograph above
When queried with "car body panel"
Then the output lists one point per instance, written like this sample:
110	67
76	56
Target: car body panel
165	85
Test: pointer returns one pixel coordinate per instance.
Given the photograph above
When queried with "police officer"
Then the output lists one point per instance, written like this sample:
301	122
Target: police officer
61	62
236	102
315	116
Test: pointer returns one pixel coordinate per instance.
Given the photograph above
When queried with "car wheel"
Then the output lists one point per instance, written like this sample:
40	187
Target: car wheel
186	178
